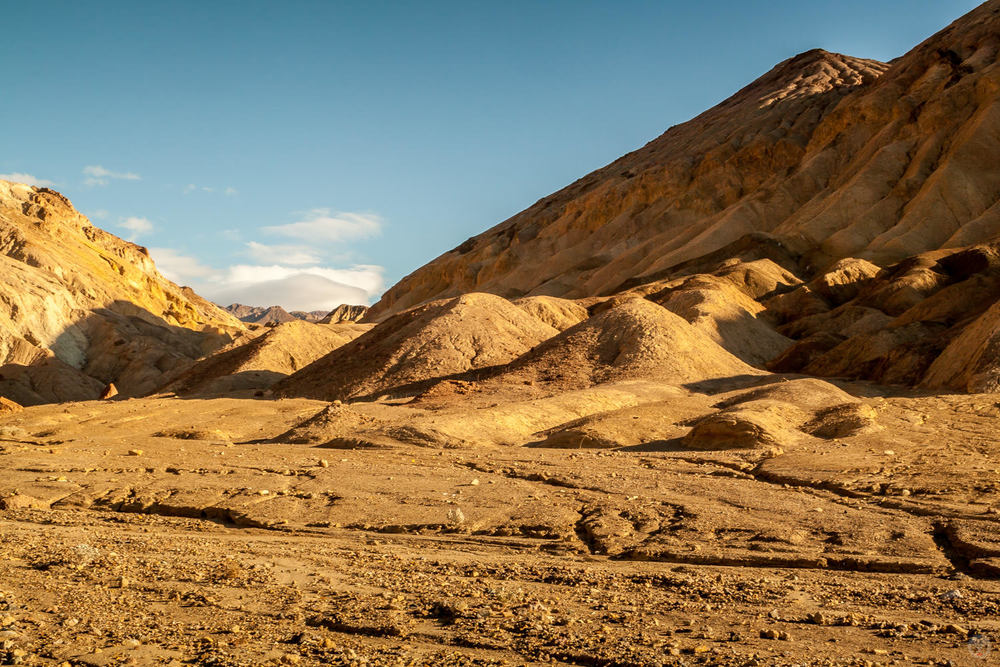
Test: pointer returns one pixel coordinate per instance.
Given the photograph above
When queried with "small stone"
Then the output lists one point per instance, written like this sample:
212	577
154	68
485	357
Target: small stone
889	452
952	629
323	463
474	482
110	391
263	492
135	452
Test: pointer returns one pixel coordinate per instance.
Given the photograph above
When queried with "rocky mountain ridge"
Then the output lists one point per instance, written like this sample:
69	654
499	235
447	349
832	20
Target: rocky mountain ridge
278	315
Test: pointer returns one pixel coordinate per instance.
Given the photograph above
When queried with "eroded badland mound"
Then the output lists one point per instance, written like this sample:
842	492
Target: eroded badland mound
726	401
259	363
442	338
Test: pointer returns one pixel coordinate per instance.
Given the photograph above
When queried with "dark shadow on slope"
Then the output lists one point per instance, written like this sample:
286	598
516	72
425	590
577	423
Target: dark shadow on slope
731	383
122	343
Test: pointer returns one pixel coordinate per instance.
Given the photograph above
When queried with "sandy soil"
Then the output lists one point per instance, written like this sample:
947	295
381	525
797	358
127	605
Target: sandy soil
170	531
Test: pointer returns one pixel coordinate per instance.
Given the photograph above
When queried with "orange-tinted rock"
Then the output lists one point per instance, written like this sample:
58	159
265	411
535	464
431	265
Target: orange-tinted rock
82	307
7	405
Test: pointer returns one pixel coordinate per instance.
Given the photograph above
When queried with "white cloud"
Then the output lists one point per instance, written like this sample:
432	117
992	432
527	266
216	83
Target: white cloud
322	226
99	214
138	226
292	287
231	192
98	175
288	274
299	289
180	268
27	179
295	255
365	277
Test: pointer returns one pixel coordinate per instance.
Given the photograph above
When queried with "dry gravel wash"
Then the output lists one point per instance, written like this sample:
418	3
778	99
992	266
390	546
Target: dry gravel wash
125	540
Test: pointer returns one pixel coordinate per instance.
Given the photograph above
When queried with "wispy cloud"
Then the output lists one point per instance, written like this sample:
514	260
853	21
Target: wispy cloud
99	214
98	175
321	226
27	179
191	188
138	226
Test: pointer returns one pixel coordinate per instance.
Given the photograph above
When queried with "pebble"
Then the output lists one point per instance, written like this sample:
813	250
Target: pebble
135	452
953	629
818	618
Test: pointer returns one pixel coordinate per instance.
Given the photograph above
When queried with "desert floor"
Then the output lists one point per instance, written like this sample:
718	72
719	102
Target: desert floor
126	539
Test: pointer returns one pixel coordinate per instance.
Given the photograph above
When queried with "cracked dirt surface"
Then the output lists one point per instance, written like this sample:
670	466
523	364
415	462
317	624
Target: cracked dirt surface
164	530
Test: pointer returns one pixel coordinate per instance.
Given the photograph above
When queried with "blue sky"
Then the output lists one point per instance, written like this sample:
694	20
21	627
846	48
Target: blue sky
309	153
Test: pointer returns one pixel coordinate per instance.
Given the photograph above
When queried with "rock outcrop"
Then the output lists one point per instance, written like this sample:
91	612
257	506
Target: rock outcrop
81	309
344	313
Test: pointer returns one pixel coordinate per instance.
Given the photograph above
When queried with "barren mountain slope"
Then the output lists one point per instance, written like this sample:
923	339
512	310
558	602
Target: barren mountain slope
835	156
80	308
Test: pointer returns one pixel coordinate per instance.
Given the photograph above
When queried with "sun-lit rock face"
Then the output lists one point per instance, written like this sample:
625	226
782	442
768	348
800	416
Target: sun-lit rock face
832	156
81	308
